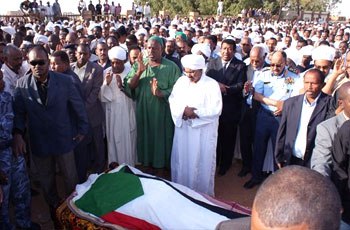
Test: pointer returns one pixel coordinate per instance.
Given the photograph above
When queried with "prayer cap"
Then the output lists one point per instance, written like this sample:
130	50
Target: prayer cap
306	50
323	52
182	35
40	39
193	61
8	29
157	39
117	53
79	27
203	48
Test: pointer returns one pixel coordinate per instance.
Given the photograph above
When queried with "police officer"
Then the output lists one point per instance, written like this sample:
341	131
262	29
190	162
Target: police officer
272	87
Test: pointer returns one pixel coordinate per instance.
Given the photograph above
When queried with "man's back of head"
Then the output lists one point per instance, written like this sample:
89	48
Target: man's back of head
296	197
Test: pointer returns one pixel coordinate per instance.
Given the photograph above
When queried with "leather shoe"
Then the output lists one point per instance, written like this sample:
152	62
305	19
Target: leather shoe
251	184
243	172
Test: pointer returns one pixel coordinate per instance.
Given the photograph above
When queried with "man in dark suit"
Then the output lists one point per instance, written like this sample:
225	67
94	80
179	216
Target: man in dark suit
44	102
230	73
249	109
91	77
300	117
341	167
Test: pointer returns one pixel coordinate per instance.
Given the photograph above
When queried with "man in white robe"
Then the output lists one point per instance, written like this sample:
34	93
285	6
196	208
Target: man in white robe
119	110
196	105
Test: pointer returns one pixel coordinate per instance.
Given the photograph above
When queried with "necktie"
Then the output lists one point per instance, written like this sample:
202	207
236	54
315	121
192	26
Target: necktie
224	68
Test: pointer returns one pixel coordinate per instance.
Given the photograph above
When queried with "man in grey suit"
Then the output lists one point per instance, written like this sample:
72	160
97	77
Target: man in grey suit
321	159
44	103
91	77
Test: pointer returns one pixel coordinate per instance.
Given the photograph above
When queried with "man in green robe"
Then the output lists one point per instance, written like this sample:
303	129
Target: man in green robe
150	83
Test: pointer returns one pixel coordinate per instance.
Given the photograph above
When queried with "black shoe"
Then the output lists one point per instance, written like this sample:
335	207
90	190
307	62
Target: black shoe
251	184
243	172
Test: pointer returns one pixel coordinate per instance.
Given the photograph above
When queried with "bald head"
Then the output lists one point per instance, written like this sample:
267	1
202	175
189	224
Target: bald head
296	197
257	57
344	91
13	57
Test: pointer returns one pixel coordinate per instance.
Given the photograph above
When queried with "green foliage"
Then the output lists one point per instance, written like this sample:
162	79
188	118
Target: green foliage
234	7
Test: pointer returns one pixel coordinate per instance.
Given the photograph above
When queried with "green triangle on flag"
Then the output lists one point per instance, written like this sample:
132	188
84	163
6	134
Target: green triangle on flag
109	192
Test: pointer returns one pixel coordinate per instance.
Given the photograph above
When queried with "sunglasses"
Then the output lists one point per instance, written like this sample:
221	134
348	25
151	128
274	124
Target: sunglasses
35	63
276	65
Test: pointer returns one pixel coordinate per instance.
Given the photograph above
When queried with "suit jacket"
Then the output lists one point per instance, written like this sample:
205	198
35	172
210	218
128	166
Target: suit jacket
341	167
91	86
234	77
321	159
289	125
49	125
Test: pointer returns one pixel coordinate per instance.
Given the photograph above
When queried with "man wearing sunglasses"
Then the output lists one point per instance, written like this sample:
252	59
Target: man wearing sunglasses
44	105
272	87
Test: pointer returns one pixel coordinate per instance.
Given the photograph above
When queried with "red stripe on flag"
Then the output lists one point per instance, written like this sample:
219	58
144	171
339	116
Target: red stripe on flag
128	222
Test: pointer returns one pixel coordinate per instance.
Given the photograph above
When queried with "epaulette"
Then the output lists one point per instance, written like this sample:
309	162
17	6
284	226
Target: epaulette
266	69
293	70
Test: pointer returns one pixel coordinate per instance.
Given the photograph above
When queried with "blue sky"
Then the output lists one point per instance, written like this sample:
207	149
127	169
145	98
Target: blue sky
66	5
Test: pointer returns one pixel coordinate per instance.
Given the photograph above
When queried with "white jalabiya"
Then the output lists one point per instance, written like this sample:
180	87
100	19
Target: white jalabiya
193	156
120	121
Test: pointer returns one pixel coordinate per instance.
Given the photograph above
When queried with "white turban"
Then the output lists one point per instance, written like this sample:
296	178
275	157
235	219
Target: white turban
203	48
40	38
8	29
193	62
306	50
117	53
323	52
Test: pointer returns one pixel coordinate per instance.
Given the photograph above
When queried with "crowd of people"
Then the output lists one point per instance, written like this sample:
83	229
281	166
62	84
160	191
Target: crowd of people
171	93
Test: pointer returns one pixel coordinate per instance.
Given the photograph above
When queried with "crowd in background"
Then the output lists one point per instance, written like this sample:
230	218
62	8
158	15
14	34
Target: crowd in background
177	93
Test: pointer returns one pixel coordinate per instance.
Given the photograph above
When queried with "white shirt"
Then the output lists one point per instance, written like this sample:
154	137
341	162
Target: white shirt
301	139
80	71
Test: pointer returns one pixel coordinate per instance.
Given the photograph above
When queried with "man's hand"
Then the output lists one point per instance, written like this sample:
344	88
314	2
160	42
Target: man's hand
223	88
280	165
119	81
338	67
189	113
109	76
154	88
278	111
141	67
19	146
78	138
248	87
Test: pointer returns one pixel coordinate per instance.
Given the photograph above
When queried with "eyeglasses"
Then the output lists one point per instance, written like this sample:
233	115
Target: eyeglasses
38	62
276	65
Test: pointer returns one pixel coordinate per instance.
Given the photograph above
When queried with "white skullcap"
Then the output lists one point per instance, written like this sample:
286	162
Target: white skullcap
79	27
117	52
40	38
8	29
323	52
306	50
26	42
204	48
238	34
193	61
28	25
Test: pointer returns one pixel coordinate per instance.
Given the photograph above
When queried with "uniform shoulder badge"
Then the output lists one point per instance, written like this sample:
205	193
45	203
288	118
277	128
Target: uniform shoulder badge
293	70
265	69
